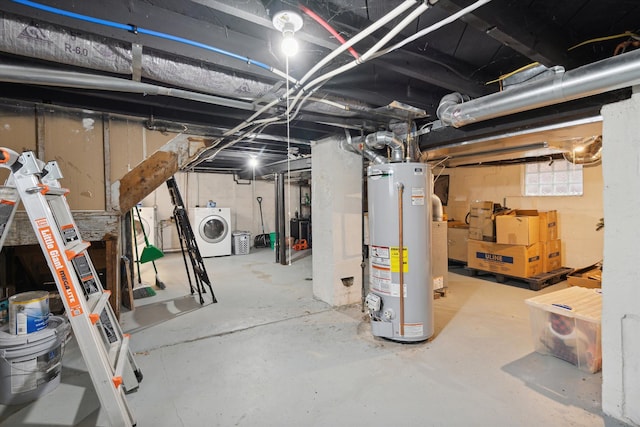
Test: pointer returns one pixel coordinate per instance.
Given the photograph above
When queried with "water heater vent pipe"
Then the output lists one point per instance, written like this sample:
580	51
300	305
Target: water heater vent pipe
381	139
438	210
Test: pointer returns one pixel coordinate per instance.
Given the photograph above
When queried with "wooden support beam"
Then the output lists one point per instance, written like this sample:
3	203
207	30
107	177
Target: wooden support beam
94	226
113	275
153	172
144	178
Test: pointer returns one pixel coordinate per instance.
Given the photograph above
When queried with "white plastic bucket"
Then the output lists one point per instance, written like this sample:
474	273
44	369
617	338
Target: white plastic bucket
30	365
28	312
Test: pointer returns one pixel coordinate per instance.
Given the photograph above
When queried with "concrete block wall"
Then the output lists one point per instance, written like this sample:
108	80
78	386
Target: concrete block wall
198	188
621	275
582	244
337	201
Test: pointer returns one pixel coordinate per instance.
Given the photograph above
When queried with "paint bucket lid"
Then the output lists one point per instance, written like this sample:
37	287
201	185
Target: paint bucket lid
28	297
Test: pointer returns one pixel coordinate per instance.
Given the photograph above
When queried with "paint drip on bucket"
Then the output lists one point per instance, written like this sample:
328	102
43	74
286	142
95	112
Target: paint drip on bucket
28	312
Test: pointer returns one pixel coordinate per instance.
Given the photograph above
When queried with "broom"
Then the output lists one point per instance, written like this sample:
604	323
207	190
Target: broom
150	253
142	291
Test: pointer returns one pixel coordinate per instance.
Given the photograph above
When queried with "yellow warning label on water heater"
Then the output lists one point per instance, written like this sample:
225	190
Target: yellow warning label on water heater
395	259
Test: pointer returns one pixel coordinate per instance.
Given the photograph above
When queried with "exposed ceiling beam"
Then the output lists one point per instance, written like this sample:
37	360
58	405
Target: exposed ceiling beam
513	24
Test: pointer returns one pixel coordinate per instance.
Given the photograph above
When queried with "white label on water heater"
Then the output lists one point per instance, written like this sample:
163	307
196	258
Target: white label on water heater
413	330
381	279
395	290
417	196
380	252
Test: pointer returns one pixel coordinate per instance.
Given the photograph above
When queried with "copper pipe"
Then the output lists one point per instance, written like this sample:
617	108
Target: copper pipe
401	255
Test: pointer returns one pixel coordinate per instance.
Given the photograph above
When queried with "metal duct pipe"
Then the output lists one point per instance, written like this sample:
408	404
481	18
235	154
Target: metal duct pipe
50	77
381	139
355	145
587	153
603	76
437	209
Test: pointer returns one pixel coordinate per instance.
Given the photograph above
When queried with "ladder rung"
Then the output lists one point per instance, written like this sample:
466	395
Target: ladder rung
47	190
75	248
99	306
123	357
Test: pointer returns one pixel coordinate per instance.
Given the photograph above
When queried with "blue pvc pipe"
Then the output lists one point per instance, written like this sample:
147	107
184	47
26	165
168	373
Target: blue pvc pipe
134	29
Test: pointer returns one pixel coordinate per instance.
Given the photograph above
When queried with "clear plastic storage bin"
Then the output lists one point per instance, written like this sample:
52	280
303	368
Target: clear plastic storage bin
566	324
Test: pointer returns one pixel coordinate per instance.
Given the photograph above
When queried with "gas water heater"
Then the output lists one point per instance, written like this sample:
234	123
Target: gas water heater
400	301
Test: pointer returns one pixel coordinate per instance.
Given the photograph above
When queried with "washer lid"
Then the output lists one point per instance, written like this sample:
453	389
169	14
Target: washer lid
213	229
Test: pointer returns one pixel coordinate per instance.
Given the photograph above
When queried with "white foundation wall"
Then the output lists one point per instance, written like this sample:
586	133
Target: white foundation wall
197	189
337	233
621	275
582	244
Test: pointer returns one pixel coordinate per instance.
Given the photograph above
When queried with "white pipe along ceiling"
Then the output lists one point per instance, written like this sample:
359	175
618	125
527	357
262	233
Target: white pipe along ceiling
218	64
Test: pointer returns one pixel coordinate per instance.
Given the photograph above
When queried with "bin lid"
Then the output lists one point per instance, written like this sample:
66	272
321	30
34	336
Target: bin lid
57	326
578	302
240	233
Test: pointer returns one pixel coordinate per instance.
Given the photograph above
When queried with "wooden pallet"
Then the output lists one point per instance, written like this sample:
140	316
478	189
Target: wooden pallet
535	283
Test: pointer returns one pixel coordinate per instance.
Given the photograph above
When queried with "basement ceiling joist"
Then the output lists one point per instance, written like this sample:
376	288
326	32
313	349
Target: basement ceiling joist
464	56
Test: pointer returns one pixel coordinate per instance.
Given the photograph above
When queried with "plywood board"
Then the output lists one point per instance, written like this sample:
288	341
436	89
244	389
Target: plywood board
17	130
75	141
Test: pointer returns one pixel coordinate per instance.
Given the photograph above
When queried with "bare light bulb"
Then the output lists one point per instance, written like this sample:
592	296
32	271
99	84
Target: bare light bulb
289	44
253	162
288	22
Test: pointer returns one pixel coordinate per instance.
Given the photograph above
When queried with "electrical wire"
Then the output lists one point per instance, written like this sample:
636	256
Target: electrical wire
298	86
506	76
605	38
288	233
365	57
435	26
327	27
594	40
139	30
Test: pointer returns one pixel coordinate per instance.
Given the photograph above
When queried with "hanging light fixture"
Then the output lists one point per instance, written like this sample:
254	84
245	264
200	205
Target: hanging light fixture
253	162
288	22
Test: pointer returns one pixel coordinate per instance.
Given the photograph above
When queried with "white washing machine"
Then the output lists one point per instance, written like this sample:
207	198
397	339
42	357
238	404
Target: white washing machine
146	222
212	229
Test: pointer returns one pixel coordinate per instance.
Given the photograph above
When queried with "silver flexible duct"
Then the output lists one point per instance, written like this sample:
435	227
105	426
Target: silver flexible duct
381	139
603	76
50	77
356	146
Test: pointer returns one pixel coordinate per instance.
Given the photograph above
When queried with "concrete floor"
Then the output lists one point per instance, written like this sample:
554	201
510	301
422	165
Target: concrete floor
269	354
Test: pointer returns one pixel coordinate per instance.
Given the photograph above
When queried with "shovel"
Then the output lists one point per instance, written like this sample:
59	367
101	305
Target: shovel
261	240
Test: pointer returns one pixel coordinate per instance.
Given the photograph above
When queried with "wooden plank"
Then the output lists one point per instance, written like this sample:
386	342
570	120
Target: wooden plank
154	171
535	283
113	275
94	226
146	177
127	294
106	139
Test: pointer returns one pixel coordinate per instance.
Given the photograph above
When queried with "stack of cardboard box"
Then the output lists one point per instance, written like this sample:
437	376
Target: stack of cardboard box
526	245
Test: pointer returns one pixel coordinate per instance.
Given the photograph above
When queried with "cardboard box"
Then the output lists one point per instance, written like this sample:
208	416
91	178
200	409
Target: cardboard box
548	225
481	224
566	324
518	228
551	254
588	277
510	260
457	238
